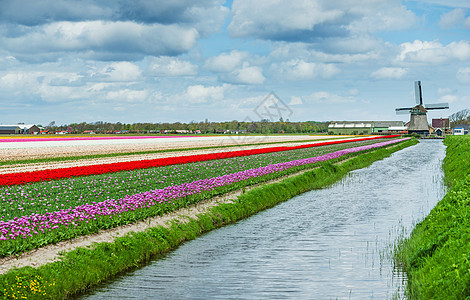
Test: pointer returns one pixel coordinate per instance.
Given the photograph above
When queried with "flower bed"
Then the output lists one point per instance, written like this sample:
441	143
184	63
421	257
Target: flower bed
31	230
41	197
43	175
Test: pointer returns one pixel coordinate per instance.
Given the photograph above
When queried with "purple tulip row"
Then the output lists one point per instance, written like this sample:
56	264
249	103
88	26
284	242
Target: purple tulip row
27	226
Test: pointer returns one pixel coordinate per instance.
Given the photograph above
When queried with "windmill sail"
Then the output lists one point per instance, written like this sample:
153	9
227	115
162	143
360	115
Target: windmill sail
418	93
403	111
437	106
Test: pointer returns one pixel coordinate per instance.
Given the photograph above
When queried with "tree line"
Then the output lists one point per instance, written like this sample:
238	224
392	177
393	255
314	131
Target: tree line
263	127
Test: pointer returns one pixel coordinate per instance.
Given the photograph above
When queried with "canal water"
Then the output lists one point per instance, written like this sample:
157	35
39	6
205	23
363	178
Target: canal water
333	243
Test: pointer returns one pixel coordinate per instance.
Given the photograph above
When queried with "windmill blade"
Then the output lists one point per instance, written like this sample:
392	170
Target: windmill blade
402	111
437	106
418	93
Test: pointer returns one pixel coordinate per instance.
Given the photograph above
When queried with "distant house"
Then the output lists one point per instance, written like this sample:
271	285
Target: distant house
10	129
460	129
439	131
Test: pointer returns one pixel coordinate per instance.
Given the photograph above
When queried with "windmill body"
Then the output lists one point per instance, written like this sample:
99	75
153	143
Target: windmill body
418	118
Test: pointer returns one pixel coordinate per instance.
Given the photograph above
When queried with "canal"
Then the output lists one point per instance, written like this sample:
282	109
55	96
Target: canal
333	243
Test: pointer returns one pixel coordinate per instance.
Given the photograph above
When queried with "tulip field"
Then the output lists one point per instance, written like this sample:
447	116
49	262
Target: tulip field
47	206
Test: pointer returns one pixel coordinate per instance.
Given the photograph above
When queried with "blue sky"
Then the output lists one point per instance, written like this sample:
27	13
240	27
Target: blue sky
182	60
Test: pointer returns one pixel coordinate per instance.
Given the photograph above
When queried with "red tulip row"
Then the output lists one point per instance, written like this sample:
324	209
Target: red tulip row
45	175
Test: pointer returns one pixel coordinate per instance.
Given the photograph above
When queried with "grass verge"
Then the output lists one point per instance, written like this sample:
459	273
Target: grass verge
83	268
436	256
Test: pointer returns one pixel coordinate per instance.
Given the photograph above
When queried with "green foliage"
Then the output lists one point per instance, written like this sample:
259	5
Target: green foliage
83	268
436	256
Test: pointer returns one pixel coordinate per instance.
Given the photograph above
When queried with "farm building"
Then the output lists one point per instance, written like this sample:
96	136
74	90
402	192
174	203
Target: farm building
9	129
25	129
364	127
29	129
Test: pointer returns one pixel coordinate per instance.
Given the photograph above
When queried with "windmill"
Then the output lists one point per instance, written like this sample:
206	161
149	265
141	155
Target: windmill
418	119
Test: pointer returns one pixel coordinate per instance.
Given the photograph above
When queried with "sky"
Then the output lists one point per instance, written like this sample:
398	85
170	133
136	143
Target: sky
182	60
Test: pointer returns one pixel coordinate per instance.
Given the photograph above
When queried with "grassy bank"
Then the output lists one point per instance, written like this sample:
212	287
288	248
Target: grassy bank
85	267
436	256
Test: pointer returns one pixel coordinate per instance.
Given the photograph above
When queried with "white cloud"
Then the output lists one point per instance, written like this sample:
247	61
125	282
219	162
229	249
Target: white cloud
389	73
272	19
441	91
226	62
463	75
295	100
168	66
43	84
334	26
434	52
264	18
298	69
449	99
106	30
127	95
353	44
121	71
246	75
326	97
197	94
453	18
303	51
381	15
99	39
18	81
460	50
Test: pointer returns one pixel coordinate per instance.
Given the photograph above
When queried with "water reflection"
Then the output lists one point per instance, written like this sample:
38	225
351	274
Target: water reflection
325	244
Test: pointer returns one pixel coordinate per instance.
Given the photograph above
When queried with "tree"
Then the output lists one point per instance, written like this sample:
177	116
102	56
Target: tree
460	117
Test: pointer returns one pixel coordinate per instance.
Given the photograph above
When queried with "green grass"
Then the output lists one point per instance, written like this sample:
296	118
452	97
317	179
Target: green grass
83	268
436	256
457	161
